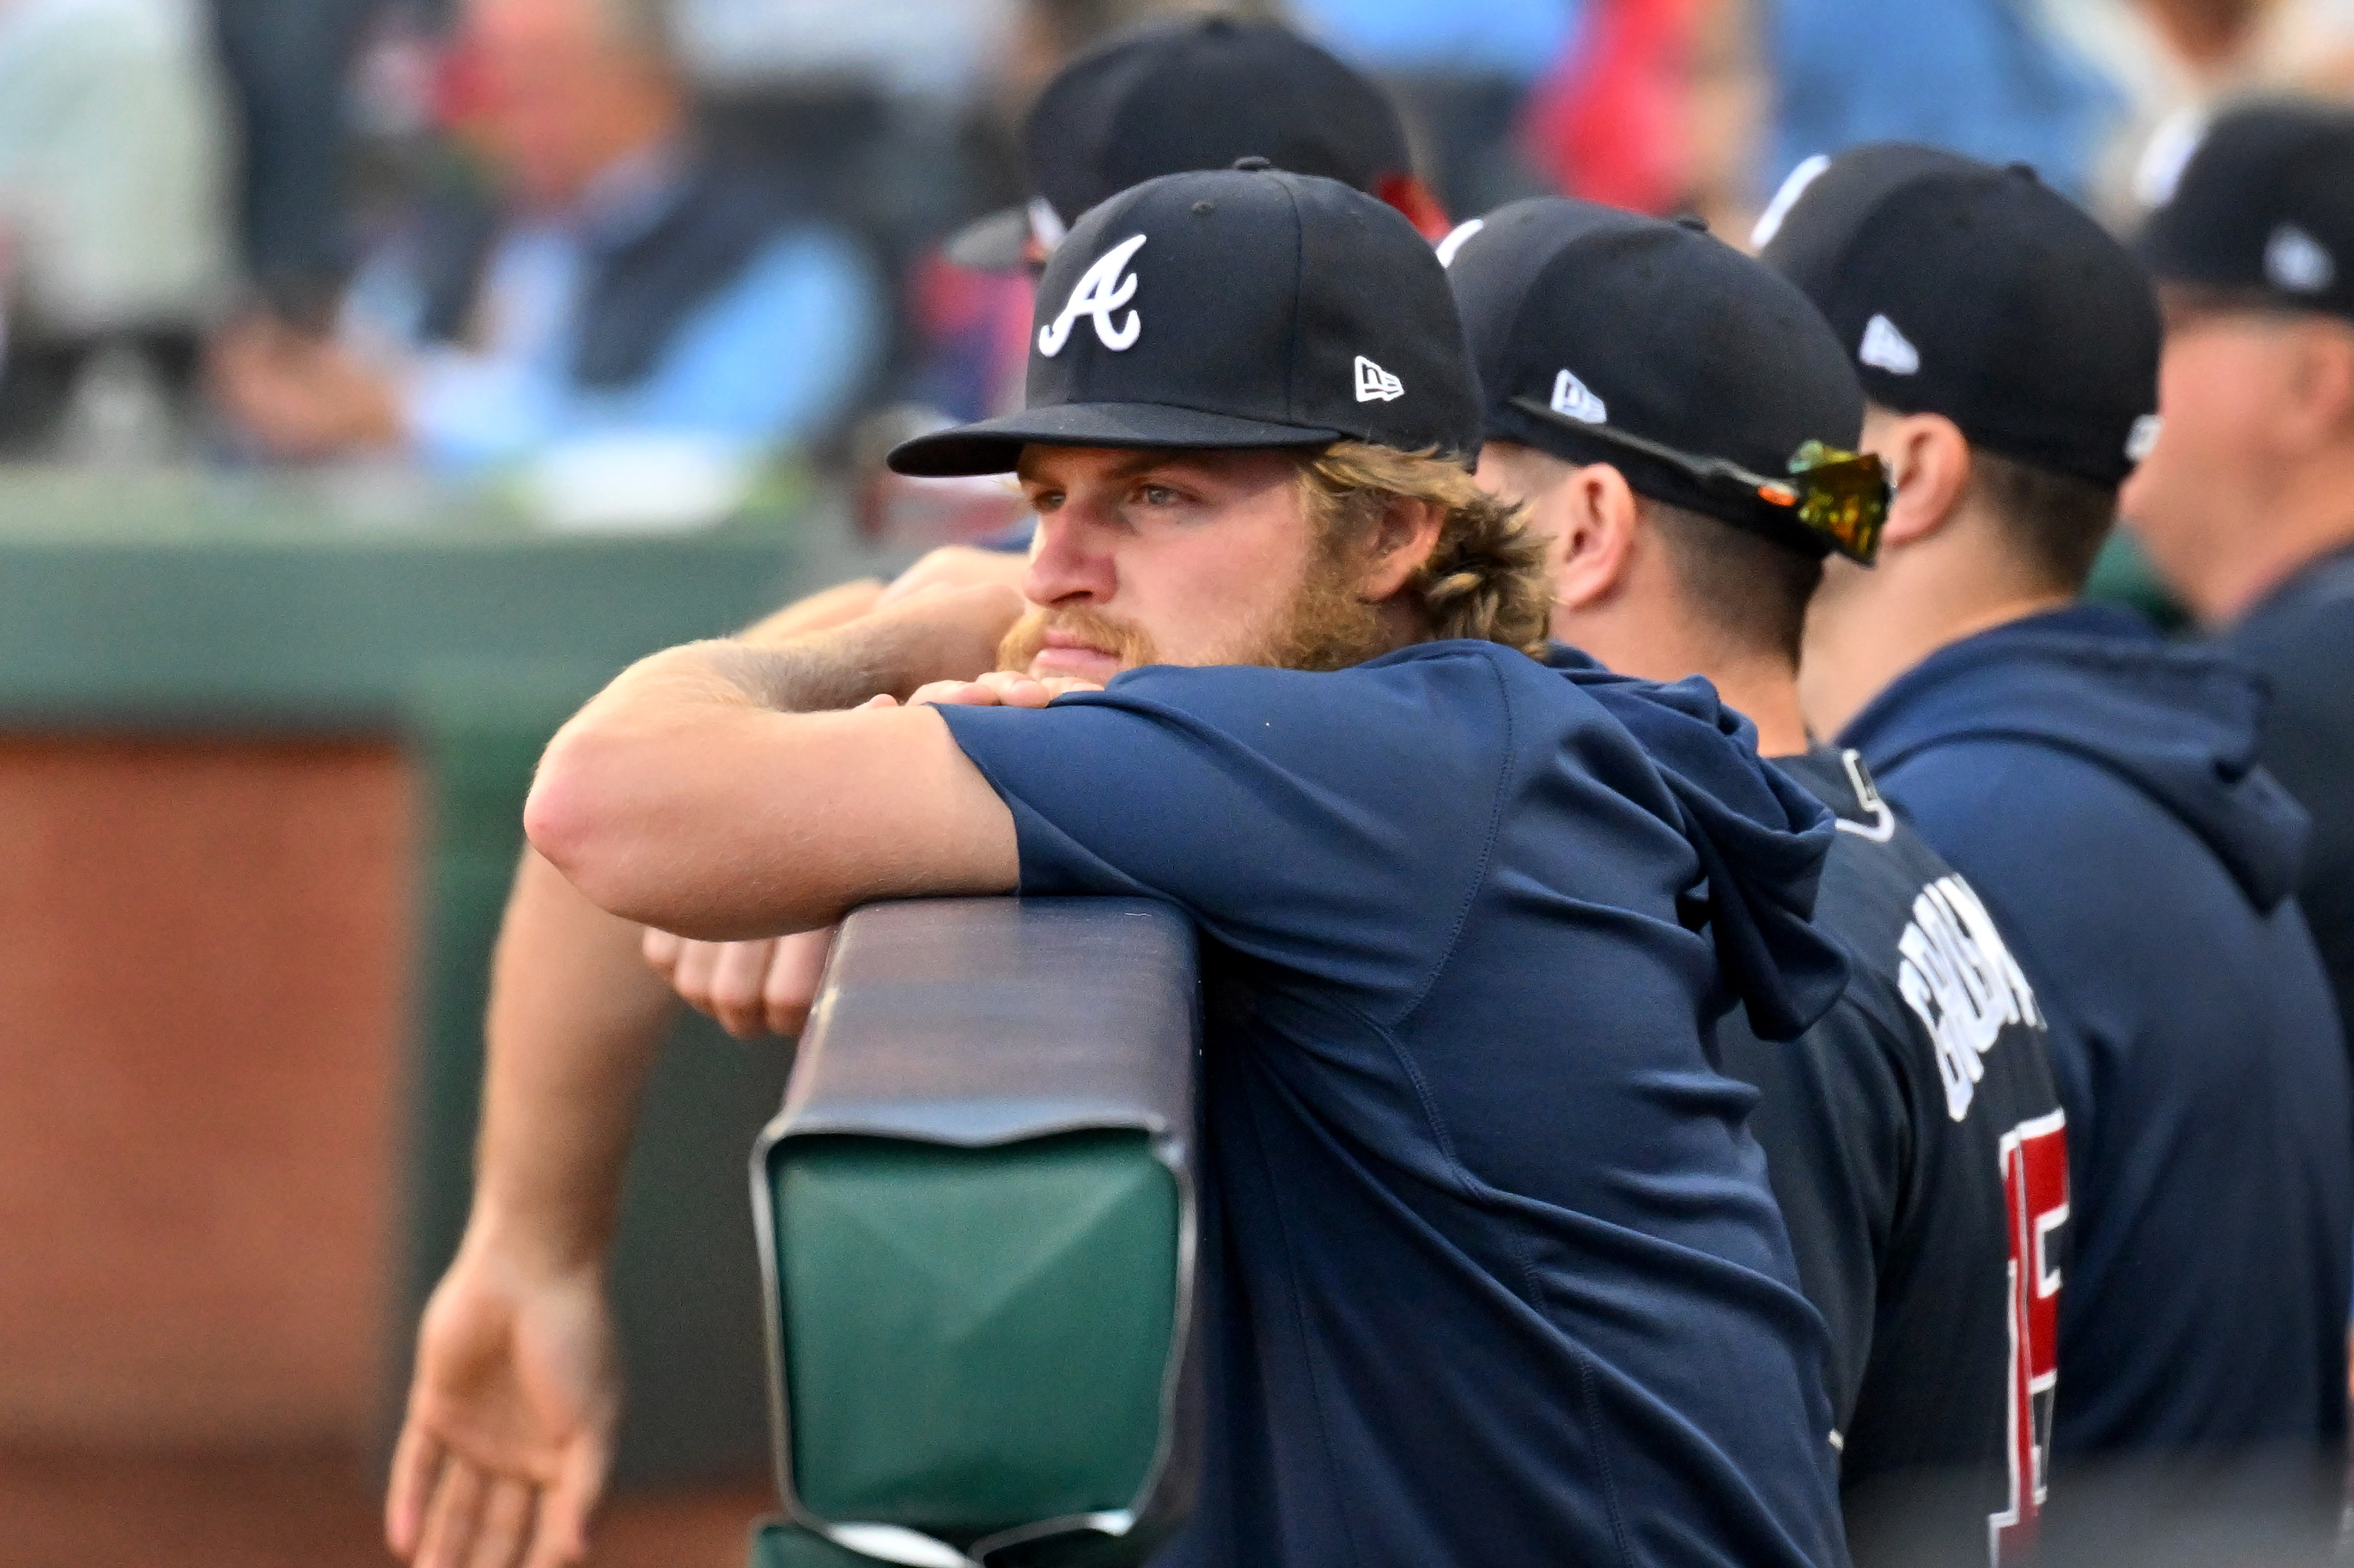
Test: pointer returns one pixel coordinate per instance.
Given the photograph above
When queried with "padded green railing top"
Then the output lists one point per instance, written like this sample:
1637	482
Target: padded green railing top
975	1338
977	1211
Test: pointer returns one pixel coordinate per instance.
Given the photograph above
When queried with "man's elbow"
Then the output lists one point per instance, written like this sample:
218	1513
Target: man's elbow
576	816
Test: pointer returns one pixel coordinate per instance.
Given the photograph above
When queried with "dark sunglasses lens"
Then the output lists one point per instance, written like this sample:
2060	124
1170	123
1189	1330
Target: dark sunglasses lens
1845	499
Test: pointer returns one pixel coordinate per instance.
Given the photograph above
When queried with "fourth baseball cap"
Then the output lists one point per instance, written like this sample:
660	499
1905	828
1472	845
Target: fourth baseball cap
2264	209
1245	308
1981	294
1191	94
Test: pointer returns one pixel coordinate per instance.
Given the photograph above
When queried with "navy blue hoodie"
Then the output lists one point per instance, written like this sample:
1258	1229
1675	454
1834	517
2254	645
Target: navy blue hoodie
1492	1272
2099	788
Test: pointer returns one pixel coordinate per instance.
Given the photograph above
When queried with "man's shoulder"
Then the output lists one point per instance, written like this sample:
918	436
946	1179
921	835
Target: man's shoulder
1878	862
1912	928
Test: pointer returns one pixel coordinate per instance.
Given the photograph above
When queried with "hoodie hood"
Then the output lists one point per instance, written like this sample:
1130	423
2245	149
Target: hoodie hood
1761	839
2177	721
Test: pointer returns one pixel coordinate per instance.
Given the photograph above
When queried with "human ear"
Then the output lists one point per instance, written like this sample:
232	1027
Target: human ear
1402	541
2318	401
1928	460
1594	516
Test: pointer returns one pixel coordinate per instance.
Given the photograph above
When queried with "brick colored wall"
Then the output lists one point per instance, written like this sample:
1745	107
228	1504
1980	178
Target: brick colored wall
205	955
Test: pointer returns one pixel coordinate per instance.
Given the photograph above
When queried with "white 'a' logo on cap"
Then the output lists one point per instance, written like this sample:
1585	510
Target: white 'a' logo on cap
2295	262
1889	349
1100	292
1576	399
1375	383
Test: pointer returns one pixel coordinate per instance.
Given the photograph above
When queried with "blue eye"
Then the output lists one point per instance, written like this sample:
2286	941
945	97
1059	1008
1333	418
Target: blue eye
1158	495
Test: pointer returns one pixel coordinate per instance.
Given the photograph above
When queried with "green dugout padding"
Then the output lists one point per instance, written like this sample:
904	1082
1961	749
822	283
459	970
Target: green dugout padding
1006	1289
977	1218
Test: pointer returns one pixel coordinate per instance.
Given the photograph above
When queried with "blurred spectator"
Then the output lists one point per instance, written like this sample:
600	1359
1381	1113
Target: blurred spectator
114	220
1991	79
1462	73
288	61
630	286
2246	499
1610	122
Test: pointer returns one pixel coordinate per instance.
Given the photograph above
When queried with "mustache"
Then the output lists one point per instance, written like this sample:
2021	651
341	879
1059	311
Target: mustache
1131	645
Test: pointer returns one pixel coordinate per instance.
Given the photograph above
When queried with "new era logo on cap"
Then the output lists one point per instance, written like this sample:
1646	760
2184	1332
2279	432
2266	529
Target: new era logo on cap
1576	399
1100	292
2295	262
1375	384
1889	349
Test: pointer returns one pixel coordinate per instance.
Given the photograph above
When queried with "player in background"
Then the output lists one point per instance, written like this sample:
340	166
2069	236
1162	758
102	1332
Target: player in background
1913	1135
2246	502
1491	1279
515	1330
2099	789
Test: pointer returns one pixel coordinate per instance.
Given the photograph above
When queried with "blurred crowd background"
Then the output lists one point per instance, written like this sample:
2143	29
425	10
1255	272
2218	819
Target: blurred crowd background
630	261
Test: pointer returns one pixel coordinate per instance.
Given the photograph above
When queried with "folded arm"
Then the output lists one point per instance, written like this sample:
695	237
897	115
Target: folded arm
718	790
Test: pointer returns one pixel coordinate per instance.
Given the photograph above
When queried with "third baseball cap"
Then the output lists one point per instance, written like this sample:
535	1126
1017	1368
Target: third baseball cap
2264	209
1981	294
1191	94
1593	330
1249	307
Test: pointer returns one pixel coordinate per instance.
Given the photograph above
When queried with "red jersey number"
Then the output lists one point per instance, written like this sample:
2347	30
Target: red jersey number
2035	1190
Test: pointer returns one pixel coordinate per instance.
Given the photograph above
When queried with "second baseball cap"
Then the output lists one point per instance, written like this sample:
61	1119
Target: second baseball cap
1191	94
1603	337
1240	307
1981	294
2264	209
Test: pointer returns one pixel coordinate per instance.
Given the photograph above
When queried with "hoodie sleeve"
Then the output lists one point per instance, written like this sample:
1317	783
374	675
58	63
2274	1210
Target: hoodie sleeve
1761	840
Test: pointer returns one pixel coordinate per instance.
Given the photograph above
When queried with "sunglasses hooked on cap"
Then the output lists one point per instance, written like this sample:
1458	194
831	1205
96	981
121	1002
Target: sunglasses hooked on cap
1709	382
1840	498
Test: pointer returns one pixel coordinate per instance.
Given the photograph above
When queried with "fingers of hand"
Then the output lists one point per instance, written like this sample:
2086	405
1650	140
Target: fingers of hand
1064	685
453	1516
941	694
505	1529
416	1462
1015	690
560	1537
880	700
738	979
690	975
661	951
793	976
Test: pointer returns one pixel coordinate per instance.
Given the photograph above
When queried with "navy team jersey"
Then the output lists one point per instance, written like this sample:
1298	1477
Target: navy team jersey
1915	1140
2099	788
1492	1273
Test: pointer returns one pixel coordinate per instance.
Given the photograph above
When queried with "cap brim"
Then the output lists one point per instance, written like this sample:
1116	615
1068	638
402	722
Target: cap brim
995	445
997	243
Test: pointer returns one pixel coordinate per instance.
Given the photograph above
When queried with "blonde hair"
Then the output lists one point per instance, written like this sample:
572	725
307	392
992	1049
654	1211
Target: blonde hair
1486	578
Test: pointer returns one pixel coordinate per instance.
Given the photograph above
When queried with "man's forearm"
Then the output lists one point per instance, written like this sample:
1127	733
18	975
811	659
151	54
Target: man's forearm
714	791
575	1021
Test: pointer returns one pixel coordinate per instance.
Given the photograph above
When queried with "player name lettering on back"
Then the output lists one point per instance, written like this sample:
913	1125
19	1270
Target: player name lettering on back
1961	980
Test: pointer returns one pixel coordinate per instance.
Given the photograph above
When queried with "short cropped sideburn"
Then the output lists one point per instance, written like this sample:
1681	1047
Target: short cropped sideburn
1486	578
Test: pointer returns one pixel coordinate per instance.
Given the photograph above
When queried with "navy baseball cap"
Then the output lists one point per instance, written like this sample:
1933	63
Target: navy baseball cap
2264	210
1191	94
1981	294
1589	325
1250	307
